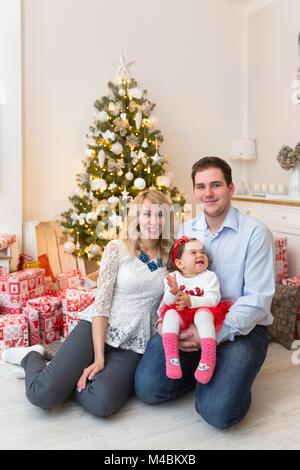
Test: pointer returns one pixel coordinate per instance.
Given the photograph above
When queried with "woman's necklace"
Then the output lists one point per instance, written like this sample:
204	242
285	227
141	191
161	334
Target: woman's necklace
152	265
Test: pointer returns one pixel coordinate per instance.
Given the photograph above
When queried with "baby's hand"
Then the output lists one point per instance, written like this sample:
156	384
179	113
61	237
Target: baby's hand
183	300
172	283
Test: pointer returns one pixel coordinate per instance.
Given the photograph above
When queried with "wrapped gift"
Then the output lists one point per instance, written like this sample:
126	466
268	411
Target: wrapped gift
44	304
51	326
16	288
33	321
13	331
36	281
49	336
15	283
51	320
291	281
285	310
48	309
77	300
70	320
12	304
32	264
27	262
6	240
68	279
281	263
27	281
3	271
73	303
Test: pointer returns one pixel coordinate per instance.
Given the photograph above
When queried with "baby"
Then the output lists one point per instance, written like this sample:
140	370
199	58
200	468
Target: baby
192	295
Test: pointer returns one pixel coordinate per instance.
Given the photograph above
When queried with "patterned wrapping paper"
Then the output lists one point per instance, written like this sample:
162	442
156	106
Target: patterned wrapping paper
48	337
77	300
15	283
49	312
16	288
13	331
51	326
68	279
6	240
22	282
33	320
70	320
285	310
74	302
281	262
12	304
45	303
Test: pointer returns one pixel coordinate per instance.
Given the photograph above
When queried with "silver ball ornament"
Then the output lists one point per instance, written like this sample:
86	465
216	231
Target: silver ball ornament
140	183
94	249
69	247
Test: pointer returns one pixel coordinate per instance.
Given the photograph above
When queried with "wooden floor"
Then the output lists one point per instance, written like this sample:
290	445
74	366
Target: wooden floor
273	421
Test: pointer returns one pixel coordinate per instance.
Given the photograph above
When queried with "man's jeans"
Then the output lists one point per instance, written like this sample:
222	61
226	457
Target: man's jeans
226	399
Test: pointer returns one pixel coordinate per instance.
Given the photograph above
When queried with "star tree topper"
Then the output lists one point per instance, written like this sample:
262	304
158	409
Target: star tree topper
123	68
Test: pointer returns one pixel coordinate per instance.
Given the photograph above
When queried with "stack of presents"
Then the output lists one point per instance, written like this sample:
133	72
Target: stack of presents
286	302
31	313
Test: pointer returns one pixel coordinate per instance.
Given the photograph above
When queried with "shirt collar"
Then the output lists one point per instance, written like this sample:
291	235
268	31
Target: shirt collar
231	221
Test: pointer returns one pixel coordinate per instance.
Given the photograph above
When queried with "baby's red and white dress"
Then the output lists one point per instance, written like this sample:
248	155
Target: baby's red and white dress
204	290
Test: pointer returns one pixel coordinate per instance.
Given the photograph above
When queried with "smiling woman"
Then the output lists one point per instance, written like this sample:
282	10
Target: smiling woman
97	362
150	218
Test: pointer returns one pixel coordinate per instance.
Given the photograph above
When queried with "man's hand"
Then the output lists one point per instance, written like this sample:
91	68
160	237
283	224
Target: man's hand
183	300
89	373
172	283
189	339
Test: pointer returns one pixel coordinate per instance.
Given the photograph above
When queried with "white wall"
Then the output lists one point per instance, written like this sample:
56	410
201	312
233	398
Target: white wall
10	119
273	119
188	56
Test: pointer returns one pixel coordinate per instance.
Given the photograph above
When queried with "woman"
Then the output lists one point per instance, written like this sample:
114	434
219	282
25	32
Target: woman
97	361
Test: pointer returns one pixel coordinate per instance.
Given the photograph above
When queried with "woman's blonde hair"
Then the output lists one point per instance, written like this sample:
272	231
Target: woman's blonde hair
130	233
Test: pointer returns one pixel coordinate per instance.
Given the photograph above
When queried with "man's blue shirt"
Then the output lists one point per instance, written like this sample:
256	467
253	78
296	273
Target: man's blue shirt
242	256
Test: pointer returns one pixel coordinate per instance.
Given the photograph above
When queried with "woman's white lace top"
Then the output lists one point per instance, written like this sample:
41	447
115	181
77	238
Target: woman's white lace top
128	294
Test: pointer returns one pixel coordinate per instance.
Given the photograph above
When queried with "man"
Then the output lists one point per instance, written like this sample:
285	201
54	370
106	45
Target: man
241	250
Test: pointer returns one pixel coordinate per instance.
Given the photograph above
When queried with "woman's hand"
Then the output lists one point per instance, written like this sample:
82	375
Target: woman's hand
172	283
189	339
89	373
183	300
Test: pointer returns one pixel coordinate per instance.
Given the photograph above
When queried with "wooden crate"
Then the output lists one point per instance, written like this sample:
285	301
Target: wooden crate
48	240
45	238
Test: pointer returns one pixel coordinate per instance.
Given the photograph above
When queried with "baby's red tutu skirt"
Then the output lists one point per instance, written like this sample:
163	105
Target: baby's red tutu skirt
187	314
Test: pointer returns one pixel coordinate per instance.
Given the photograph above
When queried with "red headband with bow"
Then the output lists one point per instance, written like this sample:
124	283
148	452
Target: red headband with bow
177	244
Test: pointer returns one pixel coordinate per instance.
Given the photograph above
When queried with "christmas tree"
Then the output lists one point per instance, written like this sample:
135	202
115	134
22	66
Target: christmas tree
122	158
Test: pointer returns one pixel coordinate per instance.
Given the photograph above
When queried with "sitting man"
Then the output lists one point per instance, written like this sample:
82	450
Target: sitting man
241	249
